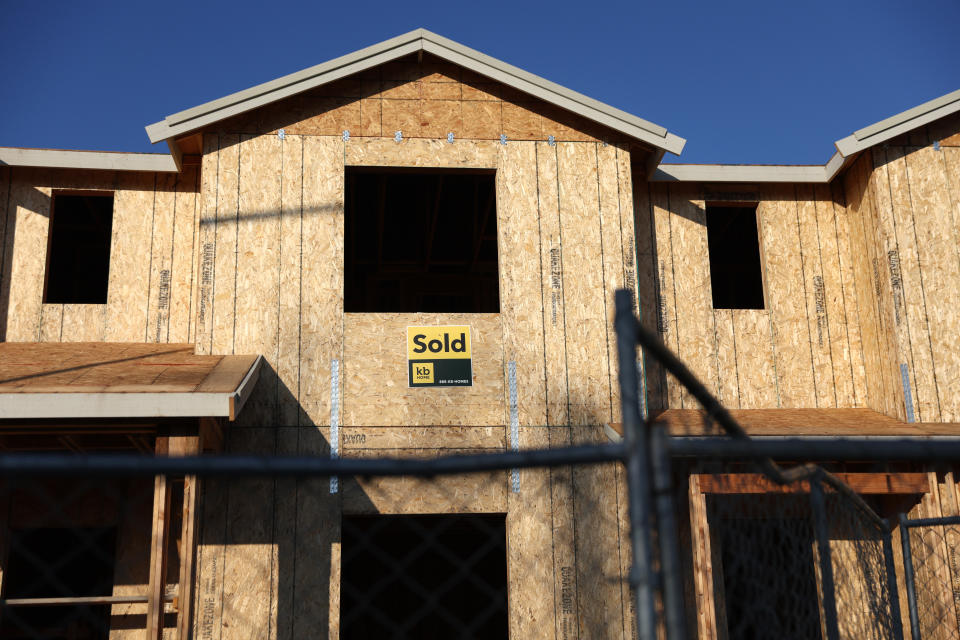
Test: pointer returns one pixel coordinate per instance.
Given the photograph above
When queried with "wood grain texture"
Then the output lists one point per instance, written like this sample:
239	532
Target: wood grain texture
584	299
694	297
565	583
83	322
183	268
612	259
814	288
225	253
519	252
779	235
666	310
756	370
321	286
207	244
703	579
937	245
377	392
258	269
647	286
462	154
291	250
29	214
913	329
160	259
529	540
551	260
729	384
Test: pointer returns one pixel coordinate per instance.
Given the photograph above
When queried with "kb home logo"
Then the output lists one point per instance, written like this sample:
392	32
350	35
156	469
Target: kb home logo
439	357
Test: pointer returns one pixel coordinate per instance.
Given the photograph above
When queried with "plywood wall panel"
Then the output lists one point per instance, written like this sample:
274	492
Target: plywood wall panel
83	322
566	591
551	259
248	557
587	362
951	162
160	259
6	223
611	251
127	294
321	328
666	311
694	297
51	323
225	253
729	386
183	260
597	544
779	235
29	215
815	298
756	369
905	263
835	297
461	154
291	249
450	437
258	268
529	533
648	299
521	303
376	391
207	244
937	244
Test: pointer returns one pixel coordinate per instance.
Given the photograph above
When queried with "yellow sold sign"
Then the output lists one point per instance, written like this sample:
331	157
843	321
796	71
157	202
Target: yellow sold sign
439	356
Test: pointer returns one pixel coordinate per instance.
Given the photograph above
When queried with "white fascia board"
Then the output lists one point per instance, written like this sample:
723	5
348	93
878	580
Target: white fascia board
739	173
114	405
418	40
68	159
899	124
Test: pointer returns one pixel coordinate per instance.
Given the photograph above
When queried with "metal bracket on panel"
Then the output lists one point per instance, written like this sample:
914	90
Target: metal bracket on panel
936	145
346	135
398	136
642	375
281	134
551	141
334	420
450	137
514	422
503	138
907	395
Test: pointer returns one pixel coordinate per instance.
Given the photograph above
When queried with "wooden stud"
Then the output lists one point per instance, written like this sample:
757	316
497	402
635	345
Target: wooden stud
160	533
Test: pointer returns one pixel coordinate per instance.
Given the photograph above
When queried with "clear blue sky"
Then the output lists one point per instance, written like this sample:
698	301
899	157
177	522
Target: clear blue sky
744	82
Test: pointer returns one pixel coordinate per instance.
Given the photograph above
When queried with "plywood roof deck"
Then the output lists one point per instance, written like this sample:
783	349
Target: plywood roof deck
100	379
799	423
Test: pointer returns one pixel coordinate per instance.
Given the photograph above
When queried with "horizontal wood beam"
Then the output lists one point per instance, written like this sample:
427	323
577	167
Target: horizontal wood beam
867	483
75	601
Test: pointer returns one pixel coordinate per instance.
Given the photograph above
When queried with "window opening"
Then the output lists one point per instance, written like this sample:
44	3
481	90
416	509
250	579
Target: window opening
78	254
420	240
736	274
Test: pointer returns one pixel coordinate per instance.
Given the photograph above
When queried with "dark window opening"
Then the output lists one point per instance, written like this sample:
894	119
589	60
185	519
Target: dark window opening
766	581
736	275
420	240
59	563
78	257
424	577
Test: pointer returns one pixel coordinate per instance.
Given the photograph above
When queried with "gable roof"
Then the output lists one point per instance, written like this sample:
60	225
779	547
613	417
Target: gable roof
418	40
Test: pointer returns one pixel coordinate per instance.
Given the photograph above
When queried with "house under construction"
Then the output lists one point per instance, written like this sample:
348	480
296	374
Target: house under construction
412	250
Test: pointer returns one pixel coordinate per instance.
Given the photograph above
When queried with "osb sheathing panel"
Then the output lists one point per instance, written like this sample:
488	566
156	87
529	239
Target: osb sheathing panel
648	282
386	152
906	278
126	315
5	257
377	390
694	297
161	259
182	278
420	102
225	253
451	437
206	244
814	288
755	371
779	235
588	368
551	261
258	267
611	251
665	279
565	590
875	319
291	248
519	252
729	391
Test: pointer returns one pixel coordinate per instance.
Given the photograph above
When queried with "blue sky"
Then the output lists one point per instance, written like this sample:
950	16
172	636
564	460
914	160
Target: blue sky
743	82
